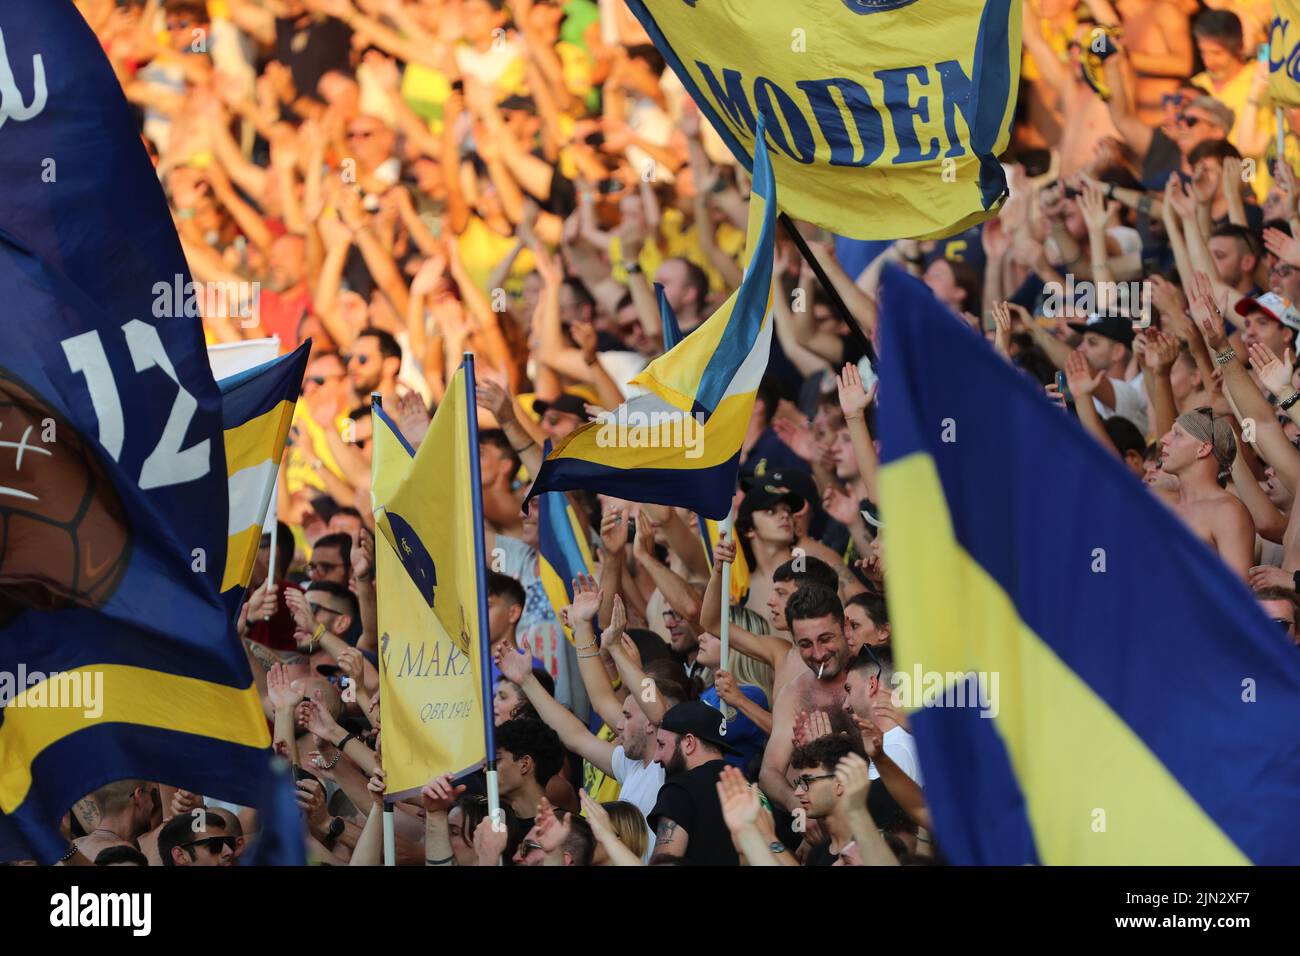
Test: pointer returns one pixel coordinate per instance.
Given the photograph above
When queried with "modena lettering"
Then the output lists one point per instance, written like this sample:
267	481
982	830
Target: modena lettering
850	120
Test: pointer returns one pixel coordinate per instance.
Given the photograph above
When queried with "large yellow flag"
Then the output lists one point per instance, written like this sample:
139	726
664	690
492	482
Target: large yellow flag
429	605
885	117
1284	54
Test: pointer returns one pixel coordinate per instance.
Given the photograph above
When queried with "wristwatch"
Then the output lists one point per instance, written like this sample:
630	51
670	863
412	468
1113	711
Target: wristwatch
334	832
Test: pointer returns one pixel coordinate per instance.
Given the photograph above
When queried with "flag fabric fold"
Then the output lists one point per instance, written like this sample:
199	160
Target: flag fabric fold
679	443
430	571
1125	700
118	658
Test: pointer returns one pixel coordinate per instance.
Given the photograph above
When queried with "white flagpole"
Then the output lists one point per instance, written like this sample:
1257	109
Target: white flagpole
273	519
724	658
1281	135
390	841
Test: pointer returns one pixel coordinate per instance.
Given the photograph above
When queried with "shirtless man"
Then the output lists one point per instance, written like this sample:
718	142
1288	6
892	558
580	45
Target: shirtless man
765	522
118	814
774	649
1159	43
816	620
1198	449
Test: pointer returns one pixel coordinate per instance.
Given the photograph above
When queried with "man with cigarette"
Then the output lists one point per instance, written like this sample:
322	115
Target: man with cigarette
816	620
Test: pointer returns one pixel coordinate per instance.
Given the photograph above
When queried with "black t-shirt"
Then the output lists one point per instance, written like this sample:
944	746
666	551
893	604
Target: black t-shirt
690	800
312	50
821	855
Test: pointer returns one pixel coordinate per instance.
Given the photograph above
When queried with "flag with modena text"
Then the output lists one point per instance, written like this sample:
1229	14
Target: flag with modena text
885	117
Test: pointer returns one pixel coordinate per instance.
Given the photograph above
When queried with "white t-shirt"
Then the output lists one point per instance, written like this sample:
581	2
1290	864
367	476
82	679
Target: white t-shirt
1130	403
900	747
639	785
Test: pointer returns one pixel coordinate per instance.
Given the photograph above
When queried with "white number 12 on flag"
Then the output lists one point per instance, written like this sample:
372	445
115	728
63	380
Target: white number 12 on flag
168	464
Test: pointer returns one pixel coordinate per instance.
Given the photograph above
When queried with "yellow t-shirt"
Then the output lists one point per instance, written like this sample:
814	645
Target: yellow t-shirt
482	250
299	473
426	90
600	786
679	243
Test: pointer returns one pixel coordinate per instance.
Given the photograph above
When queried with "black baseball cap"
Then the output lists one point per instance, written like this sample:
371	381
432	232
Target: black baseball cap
793	480
1111	327
567	402
764	496
698	718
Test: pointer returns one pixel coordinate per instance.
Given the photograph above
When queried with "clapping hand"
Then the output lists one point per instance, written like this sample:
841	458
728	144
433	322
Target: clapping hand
1275	373
585	604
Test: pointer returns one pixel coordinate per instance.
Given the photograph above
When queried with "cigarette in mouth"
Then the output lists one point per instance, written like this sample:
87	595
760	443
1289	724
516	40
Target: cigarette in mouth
820	669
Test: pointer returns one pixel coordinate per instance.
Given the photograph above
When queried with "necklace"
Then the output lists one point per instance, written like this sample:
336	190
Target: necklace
107	830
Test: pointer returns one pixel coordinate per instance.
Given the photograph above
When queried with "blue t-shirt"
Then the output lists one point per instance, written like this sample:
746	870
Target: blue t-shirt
742	733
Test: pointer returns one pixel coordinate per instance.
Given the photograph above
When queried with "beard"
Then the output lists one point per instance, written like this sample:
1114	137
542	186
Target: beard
676	763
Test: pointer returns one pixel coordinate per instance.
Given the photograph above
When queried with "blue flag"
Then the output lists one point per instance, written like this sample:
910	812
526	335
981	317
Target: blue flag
1099	688
113	480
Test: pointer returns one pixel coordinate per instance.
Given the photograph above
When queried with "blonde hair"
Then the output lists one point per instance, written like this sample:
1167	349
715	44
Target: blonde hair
746	669
628	825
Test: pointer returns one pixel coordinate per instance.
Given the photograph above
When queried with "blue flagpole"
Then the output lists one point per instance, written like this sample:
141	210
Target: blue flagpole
480	581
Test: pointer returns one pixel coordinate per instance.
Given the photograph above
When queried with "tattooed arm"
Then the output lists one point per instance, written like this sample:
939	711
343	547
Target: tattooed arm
670	840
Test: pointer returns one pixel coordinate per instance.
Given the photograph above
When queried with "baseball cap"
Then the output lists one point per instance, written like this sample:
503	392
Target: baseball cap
698	718
1276	307
1111	327
567	403
793	480
764	496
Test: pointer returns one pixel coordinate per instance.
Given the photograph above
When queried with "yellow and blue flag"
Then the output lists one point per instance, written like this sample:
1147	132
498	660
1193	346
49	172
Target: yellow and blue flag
1111	692
708	529
885	117
563	552
679	443
1284	54
432	593
256	410
118	659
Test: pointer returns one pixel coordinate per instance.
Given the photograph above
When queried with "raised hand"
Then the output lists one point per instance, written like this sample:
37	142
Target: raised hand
612	634
614	529
839	506
1002	319
496	399
596	815
1161	350
352	664
873	740
1206	312
739	800
1286	248
279	689
1079	376
551	830
854	775
1275	373
317	720
853	397
515	662
1168	298
262	603
439	794
296	601
644	543
183	802
586	601
412	417
797	436
1093	206
584	336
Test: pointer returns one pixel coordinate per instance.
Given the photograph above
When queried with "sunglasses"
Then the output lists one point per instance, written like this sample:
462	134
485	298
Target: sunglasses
1189	121
360	359
1172	99
361	133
